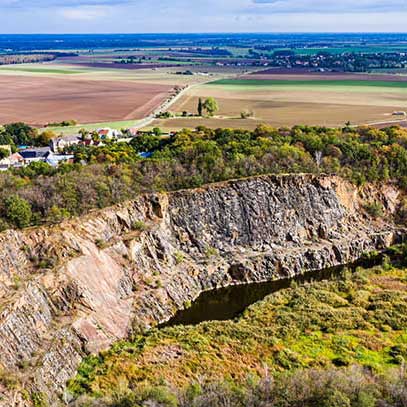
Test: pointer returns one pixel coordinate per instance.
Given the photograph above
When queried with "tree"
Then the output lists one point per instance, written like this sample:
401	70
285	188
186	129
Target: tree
211	106
84	134
45	138
157	131
20	133
7	140
35	169
200	107
4	153
145	143
318	158
95	136
18	211
245	114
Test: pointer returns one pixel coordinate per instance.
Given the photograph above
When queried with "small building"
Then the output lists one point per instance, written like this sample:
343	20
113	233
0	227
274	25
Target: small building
58	144
55	159
34	155
133	132
108	133
14	160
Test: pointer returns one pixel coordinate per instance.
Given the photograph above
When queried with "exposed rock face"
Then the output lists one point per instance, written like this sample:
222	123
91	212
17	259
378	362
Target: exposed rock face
75	288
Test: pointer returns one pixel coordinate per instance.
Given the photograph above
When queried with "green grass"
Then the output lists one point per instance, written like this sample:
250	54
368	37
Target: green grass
237	51
40	70
359	319
70	130
308	83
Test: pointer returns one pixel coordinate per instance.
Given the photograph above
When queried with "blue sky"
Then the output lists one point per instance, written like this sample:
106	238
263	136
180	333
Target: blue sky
132	16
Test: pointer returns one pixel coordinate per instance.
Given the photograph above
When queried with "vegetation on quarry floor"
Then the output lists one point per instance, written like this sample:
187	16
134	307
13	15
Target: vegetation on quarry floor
103	176
337	343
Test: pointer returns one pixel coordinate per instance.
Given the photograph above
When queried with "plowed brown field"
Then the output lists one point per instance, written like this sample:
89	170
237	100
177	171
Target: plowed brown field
40	100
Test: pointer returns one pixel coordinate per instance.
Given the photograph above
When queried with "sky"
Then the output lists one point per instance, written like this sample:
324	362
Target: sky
146	16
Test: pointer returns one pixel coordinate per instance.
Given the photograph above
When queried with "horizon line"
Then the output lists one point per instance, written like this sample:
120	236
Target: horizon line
215	33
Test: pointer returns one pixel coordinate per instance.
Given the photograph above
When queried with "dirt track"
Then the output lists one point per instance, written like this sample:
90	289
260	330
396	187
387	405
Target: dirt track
40	100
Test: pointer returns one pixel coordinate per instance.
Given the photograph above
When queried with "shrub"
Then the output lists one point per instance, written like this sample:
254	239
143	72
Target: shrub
179	257
39	400
139	225
101	243
374	209
18	211
8	379
246	114
57	214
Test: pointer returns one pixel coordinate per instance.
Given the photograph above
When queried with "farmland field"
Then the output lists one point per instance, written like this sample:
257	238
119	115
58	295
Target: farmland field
42	93
303	74
286	102
115	87
40	99
333	83
39	69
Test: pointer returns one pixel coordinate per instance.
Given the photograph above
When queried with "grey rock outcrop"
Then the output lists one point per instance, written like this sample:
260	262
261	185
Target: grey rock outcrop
75	288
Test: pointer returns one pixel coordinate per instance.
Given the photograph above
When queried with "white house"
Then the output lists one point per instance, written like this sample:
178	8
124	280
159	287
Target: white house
108	133
14	160
58	144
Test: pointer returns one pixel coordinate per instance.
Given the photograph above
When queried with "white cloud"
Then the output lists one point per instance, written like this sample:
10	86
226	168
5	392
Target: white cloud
202	16
44	4
325	6
84	13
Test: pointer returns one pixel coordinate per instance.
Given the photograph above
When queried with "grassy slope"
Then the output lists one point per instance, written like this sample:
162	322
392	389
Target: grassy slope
358	320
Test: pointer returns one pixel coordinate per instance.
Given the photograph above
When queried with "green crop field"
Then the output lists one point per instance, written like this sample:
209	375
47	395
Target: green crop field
308	83
41	70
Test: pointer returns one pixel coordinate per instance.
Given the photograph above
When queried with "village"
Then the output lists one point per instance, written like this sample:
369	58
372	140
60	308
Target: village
59	149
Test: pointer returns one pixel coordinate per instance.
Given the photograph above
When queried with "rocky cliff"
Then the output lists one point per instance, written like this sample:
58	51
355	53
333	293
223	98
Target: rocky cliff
75	288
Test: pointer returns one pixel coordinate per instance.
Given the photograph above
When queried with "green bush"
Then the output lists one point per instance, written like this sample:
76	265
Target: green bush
18	211
374	209
139	226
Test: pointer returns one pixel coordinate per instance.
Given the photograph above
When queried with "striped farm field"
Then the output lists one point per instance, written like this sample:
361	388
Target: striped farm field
286	100
310	83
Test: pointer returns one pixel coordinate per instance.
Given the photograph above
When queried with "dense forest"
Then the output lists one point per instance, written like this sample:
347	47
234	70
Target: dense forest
105	175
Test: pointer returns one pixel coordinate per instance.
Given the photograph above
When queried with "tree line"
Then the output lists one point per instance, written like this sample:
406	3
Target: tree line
21	134
105	175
